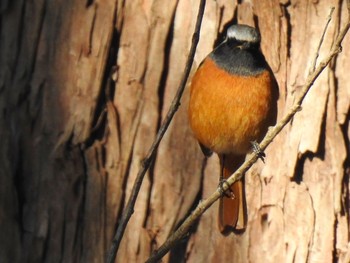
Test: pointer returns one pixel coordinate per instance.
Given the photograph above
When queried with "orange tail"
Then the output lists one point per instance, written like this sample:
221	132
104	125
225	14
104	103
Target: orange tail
232	210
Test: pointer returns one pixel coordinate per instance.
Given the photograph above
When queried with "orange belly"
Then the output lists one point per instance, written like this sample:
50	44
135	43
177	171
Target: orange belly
227	112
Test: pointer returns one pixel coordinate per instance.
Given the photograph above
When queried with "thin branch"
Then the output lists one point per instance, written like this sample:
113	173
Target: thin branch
129	210
252	158
313	65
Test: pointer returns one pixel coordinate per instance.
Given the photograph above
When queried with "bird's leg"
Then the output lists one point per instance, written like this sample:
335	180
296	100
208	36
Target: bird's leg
228	193
257	150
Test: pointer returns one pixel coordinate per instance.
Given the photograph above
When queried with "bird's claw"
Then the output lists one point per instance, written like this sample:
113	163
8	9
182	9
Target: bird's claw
228	193
257	150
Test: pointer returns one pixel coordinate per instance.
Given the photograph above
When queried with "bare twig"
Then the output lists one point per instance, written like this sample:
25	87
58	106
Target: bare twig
313	65
252	158
128	211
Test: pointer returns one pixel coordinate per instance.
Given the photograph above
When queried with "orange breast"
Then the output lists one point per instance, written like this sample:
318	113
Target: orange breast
227	112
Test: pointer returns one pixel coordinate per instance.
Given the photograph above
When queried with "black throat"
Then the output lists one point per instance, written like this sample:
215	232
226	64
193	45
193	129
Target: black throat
239	58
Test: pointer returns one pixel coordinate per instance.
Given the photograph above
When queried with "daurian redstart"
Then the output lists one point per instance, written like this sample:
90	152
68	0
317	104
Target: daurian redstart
233	101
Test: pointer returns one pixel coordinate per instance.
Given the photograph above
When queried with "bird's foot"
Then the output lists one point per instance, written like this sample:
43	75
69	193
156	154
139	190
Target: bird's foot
228	193
257	150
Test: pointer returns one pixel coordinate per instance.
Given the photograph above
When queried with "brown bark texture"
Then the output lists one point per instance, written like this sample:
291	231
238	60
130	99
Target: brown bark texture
72	142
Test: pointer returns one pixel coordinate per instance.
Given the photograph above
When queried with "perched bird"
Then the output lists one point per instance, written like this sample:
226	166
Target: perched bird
233	101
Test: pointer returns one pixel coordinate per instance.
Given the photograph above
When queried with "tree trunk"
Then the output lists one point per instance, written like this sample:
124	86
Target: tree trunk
73	142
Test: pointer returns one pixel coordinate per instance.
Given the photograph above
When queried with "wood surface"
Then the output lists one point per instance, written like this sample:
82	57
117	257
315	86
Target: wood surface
71	144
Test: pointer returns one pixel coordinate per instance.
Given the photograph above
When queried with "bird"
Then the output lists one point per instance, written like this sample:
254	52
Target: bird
233	101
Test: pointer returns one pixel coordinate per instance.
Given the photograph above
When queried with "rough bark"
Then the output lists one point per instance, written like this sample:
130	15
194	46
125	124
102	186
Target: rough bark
72	143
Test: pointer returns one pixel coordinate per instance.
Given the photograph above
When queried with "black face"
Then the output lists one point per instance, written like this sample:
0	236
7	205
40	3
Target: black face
234	43
240	52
